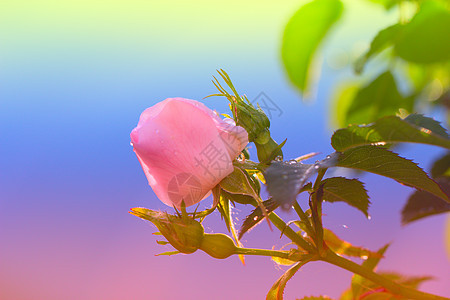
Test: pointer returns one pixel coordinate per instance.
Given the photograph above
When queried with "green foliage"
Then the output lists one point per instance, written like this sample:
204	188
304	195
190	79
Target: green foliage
426	38
238	183
341	101
303	35
350	191
257	216
377	99
389	164
392	129
382	40
370	264
373	291
428	123
342	247
277	290
441	167
388	4
422	204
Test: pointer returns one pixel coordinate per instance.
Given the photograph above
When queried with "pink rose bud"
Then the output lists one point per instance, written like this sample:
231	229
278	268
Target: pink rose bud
185	149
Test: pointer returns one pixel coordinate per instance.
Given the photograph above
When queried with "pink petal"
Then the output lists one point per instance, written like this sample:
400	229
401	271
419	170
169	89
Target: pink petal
182	151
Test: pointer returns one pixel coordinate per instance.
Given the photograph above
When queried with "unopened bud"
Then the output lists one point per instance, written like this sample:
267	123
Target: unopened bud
183	233
218	245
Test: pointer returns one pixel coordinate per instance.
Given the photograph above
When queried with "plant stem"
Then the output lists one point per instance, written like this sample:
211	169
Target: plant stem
319	179
290	233
262	252
315	203
390	285
303	217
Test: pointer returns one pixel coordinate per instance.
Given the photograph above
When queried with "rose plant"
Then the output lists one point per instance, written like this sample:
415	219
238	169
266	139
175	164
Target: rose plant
186	150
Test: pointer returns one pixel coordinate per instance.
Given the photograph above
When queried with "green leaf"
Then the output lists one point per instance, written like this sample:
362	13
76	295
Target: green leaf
257	216
350	191
374	295
342	99
302	36
428	123
162	243
277	290
388	4
373	291
237	183
426	38
168	253
382	40
422	204
239	198
225	208
389	164
269	151
441	167
282	261
390	130
370	263
342	247
378	99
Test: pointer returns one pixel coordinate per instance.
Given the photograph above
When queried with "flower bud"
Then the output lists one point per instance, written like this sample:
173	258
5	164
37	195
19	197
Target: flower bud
218	245
268	151
184	233
252	119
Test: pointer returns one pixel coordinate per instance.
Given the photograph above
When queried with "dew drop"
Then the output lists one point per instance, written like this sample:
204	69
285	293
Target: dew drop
369	217
345	226
328	157
316	167
131	143
278	158
364	257
304	234
255	218
292	162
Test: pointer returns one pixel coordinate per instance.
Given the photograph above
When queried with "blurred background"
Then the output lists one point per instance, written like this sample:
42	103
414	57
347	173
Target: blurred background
75	76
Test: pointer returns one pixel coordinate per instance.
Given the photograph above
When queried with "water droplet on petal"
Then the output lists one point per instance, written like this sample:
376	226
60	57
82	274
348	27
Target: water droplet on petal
292	162
131	143
369	217
345	226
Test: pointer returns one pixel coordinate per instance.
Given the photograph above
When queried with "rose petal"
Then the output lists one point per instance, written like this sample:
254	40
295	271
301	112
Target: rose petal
180	145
